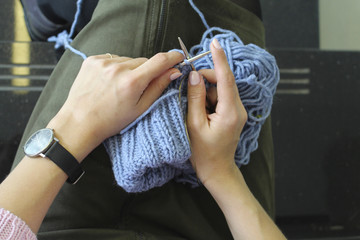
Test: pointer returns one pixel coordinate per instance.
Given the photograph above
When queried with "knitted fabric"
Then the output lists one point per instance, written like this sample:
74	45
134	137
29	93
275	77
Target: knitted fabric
12	227
155	149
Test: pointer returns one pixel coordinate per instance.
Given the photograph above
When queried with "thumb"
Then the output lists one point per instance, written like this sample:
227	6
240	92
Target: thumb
196	100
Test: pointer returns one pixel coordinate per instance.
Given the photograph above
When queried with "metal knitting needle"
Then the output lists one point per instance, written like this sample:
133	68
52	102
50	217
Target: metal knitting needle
182	45
195	58
187	55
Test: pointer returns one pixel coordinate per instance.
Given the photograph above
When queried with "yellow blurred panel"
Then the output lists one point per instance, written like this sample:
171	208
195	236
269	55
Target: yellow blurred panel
20	70
20	82
20	50
21	33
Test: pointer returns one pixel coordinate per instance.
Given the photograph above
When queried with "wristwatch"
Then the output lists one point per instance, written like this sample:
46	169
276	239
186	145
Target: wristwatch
43	143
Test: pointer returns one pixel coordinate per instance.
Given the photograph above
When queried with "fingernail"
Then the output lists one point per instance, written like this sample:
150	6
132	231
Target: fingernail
194	78
216	44
175	76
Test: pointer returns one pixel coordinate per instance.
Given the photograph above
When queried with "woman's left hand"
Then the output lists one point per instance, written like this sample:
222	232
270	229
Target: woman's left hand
109	93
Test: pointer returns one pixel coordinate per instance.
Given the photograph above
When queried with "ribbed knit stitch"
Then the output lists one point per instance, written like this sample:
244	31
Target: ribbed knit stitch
153	151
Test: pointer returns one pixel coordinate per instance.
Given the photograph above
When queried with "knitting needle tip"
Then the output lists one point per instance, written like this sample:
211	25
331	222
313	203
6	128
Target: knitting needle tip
195	58
183	47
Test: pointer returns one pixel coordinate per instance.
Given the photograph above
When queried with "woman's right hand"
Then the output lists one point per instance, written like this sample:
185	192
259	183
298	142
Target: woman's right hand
214	136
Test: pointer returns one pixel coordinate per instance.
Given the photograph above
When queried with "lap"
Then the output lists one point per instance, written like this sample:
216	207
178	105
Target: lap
140	28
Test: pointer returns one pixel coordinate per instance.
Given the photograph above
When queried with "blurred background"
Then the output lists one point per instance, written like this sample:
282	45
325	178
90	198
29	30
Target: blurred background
316	116
315	113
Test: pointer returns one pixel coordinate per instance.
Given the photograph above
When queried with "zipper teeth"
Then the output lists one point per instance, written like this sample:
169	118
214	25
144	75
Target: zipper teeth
160	27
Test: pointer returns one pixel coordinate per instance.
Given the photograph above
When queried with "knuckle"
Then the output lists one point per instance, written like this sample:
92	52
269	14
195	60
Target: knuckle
140	61
162	58
236	119
243	117
131	82
89	60
94	62
111	72
231	121
99	63
134	76
124	58
194	94
229	78
144	59
93	58
192	98
193	124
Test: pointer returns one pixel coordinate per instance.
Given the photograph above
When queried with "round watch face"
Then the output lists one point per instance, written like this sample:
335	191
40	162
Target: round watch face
39	142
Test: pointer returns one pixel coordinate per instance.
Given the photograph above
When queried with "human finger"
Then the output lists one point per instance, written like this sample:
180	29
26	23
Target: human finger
211	99
133	62
106	59
113	58
196	94
157	65
157	87
226	87
209	75
106	56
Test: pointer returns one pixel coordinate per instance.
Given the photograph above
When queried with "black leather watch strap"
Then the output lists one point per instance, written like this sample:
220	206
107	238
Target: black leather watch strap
61	157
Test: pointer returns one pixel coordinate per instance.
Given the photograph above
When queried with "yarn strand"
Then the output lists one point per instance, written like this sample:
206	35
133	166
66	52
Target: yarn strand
64	38
76	18
201	15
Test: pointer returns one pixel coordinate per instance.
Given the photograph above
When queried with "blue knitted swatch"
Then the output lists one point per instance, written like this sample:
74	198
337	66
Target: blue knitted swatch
155	149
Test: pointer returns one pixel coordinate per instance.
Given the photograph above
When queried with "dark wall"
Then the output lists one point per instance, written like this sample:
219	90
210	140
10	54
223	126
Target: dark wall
291	24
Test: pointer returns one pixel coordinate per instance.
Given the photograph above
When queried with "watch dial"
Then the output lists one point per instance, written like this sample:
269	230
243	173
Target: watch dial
38	142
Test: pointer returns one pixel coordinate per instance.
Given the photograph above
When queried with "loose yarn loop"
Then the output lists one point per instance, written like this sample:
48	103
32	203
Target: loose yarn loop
155	149
64	38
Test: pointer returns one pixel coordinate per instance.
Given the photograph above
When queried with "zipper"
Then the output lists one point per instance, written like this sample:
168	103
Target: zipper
161	26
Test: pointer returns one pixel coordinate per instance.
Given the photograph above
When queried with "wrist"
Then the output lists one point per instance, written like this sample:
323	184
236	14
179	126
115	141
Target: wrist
228	173
229	187
73	135
226	183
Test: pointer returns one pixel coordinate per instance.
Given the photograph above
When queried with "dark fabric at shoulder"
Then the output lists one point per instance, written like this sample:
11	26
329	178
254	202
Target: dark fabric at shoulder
253	6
